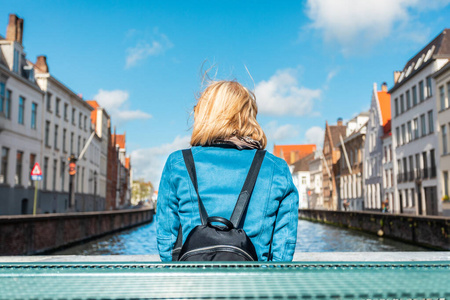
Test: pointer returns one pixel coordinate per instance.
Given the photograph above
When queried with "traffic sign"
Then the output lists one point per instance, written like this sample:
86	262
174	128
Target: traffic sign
36	170
36	177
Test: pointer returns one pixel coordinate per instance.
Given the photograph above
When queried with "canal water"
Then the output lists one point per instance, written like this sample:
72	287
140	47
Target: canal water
312	237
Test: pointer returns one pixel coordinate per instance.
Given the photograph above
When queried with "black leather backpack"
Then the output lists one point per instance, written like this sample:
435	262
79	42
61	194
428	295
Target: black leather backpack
225	242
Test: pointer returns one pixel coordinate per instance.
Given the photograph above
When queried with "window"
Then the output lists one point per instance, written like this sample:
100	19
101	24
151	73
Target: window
414	95
8	104
411	164
84	123
417	161
21	109
47	133
2	97
408	100
445	176
404	141
421	91
58	102
80	116
63	174
444	139
447	103
430	122
416	128
409	128
413	198
432	161
55	141
32	162
66	111
4	166
402	105
424	125
425	161
396	106
33	115
44	173
55	166
16	61
71	142
64	148
442	97
429	92
49	102
18	177
73	116
397	133
78	148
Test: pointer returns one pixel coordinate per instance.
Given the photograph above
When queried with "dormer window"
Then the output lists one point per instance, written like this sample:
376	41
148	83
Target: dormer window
16	61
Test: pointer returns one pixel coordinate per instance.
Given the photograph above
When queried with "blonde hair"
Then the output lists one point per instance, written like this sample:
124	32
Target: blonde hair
226	109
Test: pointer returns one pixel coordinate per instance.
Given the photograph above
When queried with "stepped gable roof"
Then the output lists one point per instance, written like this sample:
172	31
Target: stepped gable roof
439	47
335	131
384	99
120	140
284	151
303	163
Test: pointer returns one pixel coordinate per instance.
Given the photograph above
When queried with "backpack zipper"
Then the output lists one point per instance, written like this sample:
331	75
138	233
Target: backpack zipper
189	253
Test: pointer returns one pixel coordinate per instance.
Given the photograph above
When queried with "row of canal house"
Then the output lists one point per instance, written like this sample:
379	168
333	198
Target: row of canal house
42	120
394	157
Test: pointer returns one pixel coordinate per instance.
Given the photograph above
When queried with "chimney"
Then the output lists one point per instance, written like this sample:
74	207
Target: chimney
339	122
396	76
384	87
41	64
19	30
14	31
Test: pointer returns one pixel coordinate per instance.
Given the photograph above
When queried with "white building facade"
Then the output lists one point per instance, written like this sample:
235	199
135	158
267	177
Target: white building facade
20	123
442	87
314	191
414	129
66	130
379	117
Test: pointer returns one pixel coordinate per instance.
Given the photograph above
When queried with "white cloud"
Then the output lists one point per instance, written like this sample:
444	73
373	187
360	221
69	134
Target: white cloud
149	163
315	135
282	95
361	23
157	45
277	133
115	103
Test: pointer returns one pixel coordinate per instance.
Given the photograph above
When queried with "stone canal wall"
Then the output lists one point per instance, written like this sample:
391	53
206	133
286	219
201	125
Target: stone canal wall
25	234
428	231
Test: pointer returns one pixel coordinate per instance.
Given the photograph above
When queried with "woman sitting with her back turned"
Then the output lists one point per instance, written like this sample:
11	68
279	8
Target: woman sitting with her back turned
224	141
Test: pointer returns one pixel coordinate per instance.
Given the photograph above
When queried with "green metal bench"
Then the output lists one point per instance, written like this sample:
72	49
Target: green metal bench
156	280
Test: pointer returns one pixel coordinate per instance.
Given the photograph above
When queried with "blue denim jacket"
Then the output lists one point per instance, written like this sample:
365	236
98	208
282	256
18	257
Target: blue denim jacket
221	172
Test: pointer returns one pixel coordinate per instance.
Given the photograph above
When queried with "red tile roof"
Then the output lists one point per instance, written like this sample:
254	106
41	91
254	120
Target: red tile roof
120	140
127	163
298	151
94	105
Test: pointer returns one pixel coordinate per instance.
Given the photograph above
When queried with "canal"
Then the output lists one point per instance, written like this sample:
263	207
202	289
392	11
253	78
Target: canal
312	237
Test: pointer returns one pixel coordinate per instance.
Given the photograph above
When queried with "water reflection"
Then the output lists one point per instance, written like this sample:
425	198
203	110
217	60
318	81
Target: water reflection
312	237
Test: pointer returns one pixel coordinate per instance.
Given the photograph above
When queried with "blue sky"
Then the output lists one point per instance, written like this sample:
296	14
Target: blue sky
310	61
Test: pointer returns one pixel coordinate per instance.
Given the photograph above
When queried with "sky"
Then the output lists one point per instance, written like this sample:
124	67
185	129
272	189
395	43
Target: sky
308	61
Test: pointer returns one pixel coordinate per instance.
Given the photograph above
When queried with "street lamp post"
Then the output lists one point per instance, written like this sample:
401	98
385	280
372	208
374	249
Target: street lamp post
72	172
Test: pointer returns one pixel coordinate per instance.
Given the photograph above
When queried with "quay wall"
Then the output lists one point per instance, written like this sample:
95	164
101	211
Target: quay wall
428	231
25	234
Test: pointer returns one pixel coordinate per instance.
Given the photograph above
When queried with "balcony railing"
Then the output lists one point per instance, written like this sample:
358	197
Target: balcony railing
424	173
411	175
433	172
399	177
418	174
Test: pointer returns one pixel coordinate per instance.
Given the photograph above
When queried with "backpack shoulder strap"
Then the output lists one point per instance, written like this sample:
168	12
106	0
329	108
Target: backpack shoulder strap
247	189
189	161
